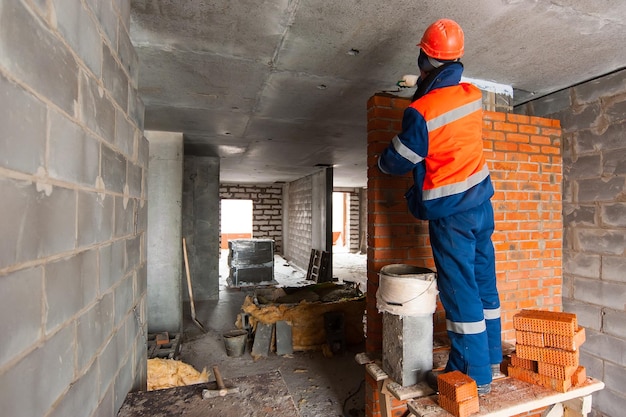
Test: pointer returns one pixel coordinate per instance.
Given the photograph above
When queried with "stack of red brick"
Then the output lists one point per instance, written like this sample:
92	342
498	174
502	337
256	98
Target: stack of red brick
458	393
547	349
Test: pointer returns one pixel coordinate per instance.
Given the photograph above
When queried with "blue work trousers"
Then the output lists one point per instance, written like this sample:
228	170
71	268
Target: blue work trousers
466	278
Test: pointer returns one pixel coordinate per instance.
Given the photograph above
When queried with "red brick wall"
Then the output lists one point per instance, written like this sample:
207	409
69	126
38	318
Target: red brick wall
524	156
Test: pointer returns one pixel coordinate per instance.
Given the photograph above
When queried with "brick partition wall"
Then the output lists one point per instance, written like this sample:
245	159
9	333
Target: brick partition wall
523	154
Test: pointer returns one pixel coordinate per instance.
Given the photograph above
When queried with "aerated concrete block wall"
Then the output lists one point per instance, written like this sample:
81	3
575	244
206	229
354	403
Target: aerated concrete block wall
593	118
298	203
267	209
73	203
524	157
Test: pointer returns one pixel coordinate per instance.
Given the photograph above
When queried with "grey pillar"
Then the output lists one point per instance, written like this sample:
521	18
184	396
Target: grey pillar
165	173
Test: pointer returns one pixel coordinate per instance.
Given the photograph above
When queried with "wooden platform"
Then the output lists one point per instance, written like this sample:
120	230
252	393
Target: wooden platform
262	395
510	396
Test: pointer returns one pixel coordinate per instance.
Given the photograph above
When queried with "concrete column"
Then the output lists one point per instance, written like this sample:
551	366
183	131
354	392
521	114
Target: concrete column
201	226
165	171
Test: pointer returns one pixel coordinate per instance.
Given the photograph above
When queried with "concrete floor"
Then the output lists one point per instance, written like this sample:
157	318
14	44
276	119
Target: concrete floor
319	386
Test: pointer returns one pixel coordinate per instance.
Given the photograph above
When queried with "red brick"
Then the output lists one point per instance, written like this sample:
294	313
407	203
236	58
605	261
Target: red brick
460	409
456	386
580	376
542	321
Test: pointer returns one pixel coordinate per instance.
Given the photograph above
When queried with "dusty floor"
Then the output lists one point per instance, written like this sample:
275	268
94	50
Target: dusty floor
319	386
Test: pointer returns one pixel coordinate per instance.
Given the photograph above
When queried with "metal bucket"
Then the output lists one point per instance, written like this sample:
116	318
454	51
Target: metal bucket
235	342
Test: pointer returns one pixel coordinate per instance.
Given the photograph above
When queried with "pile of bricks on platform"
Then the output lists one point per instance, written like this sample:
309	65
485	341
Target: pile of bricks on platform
458	394
547	349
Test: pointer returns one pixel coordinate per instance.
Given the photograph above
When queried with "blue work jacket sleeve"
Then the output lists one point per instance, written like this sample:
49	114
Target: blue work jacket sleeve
408	148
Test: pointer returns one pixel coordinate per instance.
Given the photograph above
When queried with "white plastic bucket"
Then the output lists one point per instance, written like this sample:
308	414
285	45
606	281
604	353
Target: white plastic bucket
407	290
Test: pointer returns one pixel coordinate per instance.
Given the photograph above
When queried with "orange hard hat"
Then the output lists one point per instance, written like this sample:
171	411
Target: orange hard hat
443	40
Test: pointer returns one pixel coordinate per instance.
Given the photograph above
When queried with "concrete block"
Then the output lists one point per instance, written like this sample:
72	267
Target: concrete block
21	316
23	121
608	402
96	111
71	284
55	360
594	365
124	299
106	405
126	50
124	134
284	344
141	280
115	79
600	189
49	222
601	293
134	179
589	316
605	346
407	348
80	31
584	119
124	216
574	215
615	378
582	264
108	18
142	218
112	264
123	383
613	268
586	166
615	110
113	170
136	108
606	242
93	328
133	252
589	141
95	218
109	357
614	162
262	340
143	152
74	155
82	397
615	322
614	215
25	43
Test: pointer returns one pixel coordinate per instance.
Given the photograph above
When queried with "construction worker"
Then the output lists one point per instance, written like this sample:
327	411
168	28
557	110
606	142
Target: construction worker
441	143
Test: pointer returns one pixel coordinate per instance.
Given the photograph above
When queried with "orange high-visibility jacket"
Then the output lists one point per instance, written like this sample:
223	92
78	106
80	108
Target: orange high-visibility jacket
441	142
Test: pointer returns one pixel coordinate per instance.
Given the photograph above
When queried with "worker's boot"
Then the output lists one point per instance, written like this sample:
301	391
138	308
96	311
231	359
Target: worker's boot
484	389
496	373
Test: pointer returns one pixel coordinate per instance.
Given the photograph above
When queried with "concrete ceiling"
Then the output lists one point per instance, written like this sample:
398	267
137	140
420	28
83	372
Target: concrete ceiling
276	88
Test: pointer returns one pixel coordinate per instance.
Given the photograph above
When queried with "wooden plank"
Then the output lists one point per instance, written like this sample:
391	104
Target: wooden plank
509	397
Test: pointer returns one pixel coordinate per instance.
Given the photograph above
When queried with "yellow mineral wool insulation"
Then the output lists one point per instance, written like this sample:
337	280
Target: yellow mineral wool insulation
169	373
307	319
